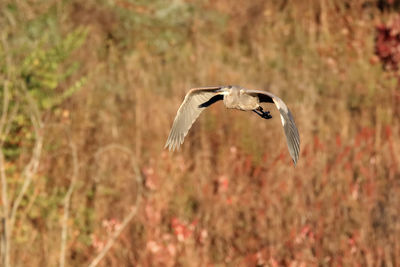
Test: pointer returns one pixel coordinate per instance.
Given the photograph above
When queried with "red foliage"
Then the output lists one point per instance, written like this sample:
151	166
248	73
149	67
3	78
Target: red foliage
387	43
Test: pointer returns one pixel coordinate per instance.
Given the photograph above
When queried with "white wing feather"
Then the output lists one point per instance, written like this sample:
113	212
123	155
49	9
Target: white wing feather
187	113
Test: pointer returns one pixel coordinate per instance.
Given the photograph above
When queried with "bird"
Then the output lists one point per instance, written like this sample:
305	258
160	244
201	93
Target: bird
233	97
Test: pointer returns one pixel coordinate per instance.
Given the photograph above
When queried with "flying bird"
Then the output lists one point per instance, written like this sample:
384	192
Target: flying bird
234	97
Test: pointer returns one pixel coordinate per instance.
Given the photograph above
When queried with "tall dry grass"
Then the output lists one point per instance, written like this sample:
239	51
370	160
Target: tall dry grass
231	195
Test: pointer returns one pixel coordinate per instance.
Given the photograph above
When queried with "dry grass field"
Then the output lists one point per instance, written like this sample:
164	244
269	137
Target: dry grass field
88	93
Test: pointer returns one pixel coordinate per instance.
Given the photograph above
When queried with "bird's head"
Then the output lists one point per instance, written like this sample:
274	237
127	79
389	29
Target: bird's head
231	89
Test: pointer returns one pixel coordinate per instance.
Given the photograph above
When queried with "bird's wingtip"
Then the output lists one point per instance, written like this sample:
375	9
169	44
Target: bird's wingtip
295	161
172	146
168	146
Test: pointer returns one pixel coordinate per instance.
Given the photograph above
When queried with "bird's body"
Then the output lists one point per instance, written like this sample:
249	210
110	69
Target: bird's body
234	97
237	98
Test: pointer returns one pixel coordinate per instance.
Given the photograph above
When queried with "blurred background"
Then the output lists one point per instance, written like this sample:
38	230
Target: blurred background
88	93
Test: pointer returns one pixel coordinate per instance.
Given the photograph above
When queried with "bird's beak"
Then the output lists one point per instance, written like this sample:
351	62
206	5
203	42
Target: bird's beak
224	90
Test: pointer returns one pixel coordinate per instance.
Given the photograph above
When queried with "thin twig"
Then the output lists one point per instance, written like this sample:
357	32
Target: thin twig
114	236
67	201
6	101
5	244
5	237
131	213
33	165
5	121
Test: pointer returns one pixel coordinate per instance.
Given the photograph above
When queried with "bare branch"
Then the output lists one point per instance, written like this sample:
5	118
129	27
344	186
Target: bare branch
6	101
5	238
131	213
115	235
67	201
33	165
5	121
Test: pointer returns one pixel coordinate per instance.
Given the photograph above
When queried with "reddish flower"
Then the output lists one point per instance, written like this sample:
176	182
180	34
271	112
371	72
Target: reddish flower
223	183
387	43
181	230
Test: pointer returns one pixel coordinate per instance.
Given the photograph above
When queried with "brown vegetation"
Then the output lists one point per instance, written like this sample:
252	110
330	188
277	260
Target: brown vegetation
89	90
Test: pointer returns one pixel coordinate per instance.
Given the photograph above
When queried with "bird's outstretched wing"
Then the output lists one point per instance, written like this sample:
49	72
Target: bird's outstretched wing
196	100
289	126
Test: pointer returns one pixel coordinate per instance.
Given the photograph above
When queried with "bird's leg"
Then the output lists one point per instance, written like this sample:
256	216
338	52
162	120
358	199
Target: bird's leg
263	114
255	111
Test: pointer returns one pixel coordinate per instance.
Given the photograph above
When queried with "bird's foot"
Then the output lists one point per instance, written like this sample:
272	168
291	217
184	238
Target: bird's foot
263	114
266	115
